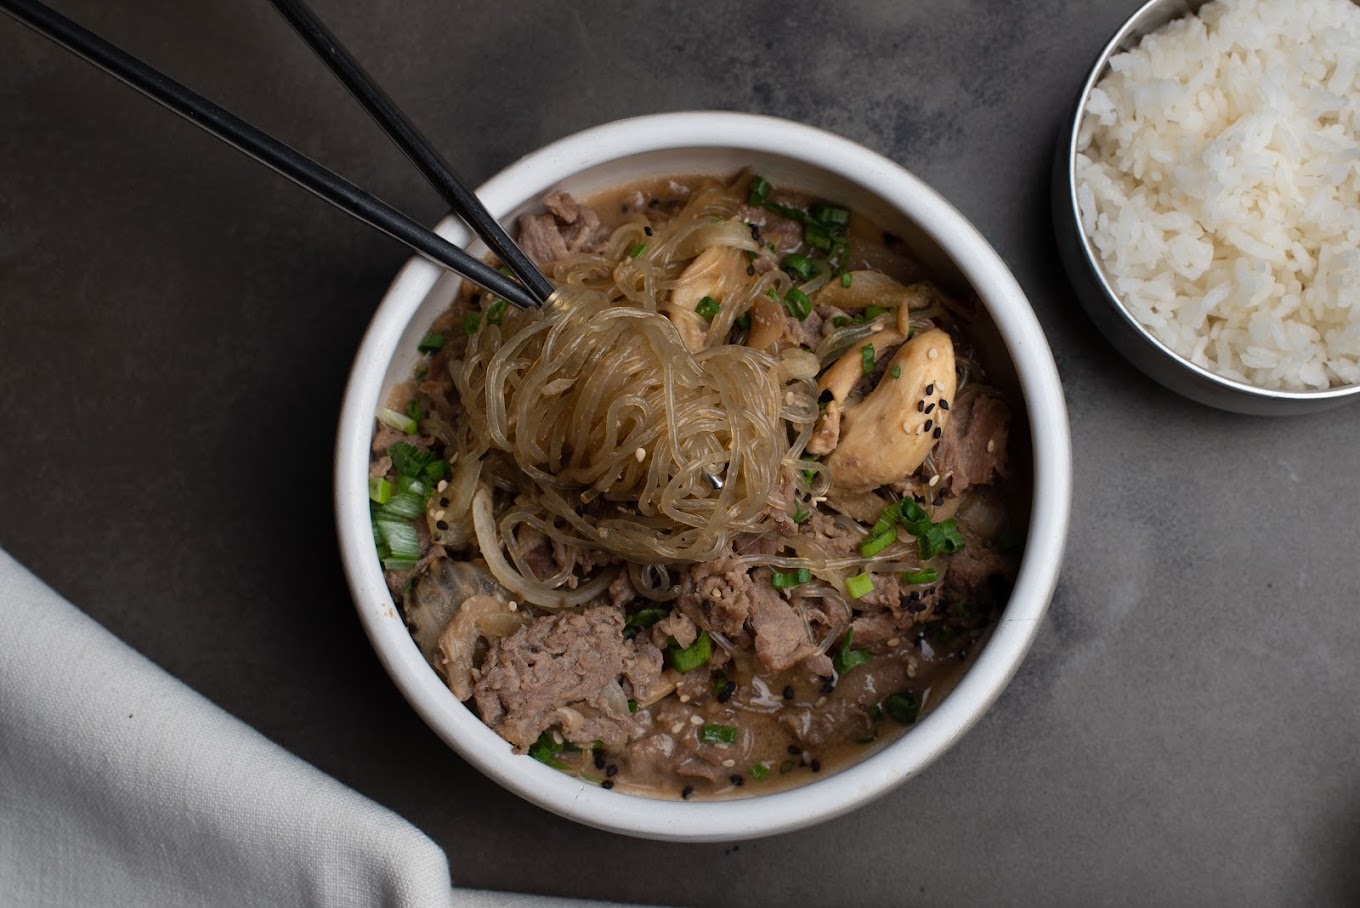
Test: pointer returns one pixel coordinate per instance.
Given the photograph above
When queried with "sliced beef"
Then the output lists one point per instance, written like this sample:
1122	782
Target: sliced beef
642	670
804	333
567	227
716	595
978	573
781	635
621	591
558	662
972	450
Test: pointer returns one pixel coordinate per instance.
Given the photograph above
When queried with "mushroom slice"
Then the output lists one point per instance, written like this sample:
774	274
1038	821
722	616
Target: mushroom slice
827	431
767	323
479	616
842	377
716	272
886	436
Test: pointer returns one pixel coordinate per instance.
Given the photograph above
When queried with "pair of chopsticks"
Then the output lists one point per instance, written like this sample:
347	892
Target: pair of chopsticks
532	289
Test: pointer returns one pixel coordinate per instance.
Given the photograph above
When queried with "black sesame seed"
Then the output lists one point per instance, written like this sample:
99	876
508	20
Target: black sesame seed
936	433
929	423
929	408
828	686
607	784
963	655
920	406
930	389
443	502
441	524
737	781
706	606
795	750
944	404
939	500
687	792
611	770
599	759
750	270
647	230
816	765
788	692
653	203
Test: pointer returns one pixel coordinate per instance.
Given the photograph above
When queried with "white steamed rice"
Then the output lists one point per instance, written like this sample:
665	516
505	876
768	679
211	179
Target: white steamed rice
1219	181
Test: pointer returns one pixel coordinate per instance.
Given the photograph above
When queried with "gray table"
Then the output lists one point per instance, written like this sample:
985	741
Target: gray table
178	323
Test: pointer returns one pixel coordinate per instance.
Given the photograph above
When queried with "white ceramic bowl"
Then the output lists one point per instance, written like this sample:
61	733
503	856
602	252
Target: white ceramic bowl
790	155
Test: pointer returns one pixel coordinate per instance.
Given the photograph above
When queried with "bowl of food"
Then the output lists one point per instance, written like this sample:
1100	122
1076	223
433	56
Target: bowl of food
749	524
1206	200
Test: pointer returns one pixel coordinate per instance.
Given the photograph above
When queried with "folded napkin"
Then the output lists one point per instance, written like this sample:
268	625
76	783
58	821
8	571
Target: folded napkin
121	786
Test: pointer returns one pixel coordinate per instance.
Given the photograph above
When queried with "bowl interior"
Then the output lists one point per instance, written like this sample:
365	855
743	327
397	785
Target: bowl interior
832	168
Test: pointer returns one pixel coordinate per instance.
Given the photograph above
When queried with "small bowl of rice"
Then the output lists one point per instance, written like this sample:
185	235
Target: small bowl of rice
1207	200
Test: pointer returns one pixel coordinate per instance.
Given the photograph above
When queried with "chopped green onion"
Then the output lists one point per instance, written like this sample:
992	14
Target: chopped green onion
405	505
817	236
632	705
913	515
642	620
718	734
399	421
800	266
759	191
691	657
437	470
939	537
840	321
830	215
413	410
845	279
797	303
707	308
924	575
875	544
545	751
400	562
866	358
759	771
895	371
962	610
872	312
471	322
379	490
637	250
495	313
408	460
787	765
431	343
847	658
801	516
743	321
903	707
859	585
781	580
399	535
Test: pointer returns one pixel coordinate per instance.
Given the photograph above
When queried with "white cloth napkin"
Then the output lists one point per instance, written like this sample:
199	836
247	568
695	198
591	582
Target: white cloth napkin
121	786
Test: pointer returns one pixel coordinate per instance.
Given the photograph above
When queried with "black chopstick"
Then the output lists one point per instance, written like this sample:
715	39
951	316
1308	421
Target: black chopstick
263	147
430	163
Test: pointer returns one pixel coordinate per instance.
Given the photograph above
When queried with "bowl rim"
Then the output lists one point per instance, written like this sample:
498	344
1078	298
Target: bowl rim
1150	16
711	821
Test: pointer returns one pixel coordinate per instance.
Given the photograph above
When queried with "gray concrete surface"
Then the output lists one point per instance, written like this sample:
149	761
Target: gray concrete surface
176	324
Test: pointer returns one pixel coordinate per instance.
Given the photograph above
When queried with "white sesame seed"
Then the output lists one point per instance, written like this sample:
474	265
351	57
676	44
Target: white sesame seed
894	641
991	445
640	455
933	354
684	698
514	606
729	763
439	515
677	728
934	480
696	720
443	484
